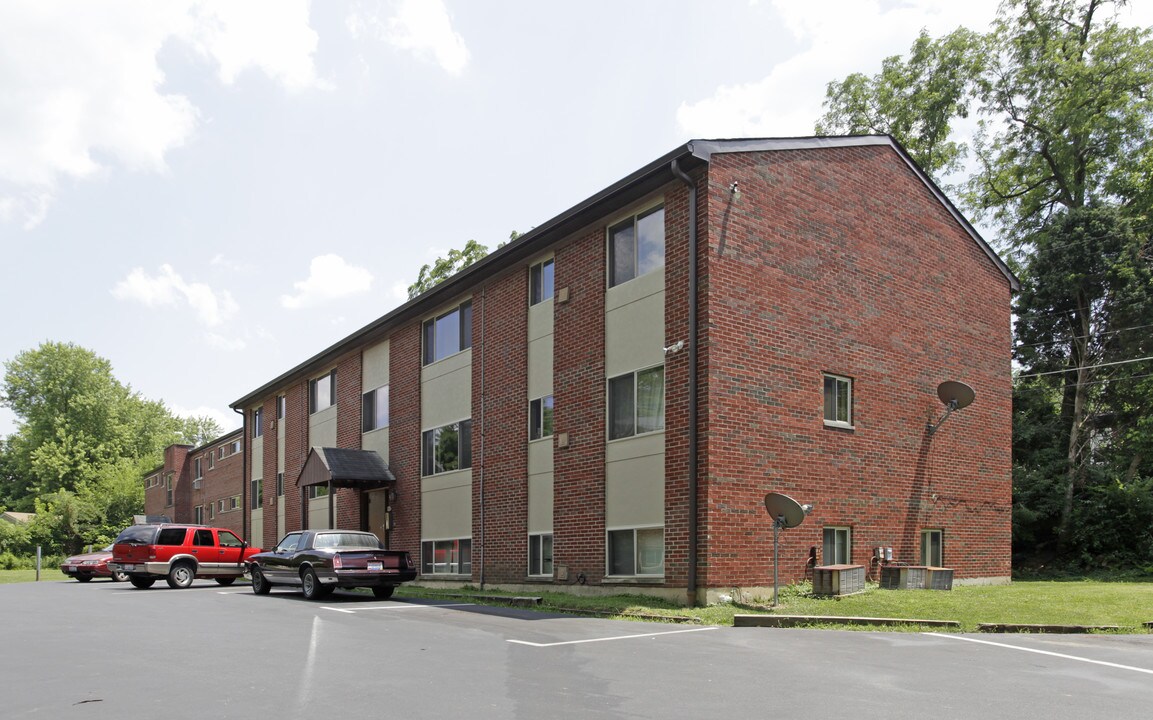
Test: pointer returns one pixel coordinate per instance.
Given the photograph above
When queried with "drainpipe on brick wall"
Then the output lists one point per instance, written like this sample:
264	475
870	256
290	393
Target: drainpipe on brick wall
244	473
482	433
691	584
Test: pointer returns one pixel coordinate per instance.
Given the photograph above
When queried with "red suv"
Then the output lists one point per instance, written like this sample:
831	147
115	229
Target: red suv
179	554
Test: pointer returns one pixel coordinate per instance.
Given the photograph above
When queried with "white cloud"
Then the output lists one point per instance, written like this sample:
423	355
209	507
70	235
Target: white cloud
222	342
83	91
423	27
169	288
788	100
329	278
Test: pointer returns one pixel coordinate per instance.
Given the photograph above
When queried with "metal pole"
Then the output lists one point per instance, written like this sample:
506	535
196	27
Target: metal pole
37	563
776	542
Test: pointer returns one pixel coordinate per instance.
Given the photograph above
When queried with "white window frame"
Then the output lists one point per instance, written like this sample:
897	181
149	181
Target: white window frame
610	406
540	554
541	281
638	267
637	560
464	452
457	546
370	409
318	401
837	533
839	385
541	417
927	549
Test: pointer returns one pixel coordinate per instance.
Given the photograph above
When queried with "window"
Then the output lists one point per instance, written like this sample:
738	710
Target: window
540	554
637	403
168	490
933	548
258	493
636	246
280	404
198	515
838	549
211	511
838	401
196	465
203	538
288	543
233	447
322	393
171	536
317	491
279	484
211	459
447	448
228	539
229	504
637	551
257	422
540	282
446	557
448	334
375	410
540	413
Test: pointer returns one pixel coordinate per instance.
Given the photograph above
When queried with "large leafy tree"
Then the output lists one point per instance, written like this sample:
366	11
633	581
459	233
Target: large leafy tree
447	266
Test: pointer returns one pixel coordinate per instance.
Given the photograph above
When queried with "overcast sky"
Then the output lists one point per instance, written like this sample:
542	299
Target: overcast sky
209	193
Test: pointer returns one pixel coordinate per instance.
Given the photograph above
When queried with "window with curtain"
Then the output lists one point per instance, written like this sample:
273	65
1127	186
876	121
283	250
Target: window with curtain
637	403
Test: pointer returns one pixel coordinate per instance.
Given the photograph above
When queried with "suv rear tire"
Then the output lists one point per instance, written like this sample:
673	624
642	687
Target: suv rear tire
141	582
181	575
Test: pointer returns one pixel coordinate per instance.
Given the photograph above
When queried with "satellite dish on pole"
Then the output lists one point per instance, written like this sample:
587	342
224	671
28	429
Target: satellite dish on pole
786	513
955	396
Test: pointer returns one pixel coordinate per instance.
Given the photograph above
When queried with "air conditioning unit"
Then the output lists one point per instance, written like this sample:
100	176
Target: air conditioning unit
196	483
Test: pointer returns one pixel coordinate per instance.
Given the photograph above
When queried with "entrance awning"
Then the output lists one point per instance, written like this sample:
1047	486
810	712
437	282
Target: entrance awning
343	467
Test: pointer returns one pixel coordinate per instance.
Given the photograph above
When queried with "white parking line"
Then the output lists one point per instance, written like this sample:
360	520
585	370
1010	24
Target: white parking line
393	607
607	639
1044	652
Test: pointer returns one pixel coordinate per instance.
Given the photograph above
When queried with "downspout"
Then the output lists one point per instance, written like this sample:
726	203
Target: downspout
482	433
691	584
244	474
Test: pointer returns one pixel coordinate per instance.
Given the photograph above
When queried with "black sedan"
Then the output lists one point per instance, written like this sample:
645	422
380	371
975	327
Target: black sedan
319	561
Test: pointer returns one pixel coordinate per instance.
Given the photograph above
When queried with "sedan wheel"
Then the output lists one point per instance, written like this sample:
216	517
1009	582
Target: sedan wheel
181	576
383	592
119	576
311	585
260	584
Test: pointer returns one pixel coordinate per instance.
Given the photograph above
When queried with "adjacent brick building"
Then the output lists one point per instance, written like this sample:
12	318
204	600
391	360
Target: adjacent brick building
202	485
604	403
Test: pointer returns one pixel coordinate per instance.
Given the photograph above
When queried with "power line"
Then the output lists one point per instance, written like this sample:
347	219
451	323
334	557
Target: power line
1086	367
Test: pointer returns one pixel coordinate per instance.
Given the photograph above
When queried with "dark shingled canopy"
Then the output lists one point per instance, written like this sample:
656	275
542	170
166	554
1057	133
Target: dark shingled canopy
343	467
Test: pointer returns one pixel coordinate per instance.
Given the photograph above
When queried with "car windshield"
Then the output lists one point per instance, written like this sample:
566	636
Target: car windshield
136	535
346	540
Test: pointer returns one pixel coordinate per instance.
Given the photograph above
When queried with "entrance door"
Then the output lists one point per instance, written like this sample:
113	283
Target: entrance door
377	512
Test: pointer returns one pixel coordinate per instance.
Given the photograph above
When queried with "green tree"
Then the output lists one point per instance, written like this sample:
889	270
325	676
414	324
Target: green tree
197	431
916	99
447	266
1083	319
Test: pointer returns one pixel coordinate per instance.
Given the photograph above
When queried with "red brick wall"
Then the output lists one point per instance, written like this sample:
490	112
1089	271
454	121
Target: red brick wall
840	260
500	422
404	437
579	392
270	536
295	451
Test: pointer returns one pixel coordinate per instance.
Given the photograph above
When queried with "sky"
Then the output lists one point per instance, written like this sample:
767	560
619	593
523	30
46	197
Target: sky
208	193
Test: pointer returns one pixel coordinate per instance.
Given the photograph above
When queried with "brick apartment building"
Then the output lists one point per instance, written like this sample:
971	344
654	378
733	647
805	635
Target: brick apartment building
603	404
202	485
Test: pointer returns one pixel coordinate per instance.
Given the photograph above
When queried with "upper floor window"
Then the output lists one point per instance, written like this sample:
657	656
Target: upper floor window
280	403
197	469
636	246
257	422
838	401
447	448
211	459
637	403
374	413
448	334
540	413
322	392
540	282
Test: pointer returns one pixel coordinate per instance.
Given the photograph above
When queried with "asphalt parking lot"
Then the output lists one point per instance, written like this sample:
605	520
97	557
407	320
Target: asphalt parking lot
107	650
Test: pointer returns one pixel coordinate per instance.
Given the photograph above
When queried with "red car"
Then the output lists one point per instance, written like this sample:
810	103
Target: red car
179	554
89	565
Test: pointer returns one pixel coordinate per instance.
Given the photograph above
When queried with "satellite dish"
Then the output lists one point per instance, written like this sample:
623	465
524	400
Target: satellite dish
955	395
784	510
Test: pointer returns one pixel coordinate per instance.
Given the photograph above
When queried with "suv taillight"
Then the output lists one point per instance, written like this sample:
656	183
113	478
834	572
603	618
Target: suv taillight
337	563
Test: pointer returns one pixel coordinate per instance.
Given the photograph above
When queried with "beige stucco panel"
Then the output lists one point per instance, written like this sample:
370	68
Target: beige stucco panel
257	462
446	391
540	502
540	367
376	440
541	320
635	325
540	456
318	512
374	364
256	531
322	428
635	492
446	512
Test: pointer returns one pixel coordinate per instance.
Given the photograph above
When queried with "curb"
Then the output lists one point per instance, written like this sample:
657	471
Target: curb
1060	629
800	620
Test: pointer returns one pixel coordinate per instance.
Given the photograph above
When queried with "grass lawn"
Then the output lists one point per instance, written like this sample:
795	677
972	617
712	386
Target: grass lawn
1076	602
19	576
